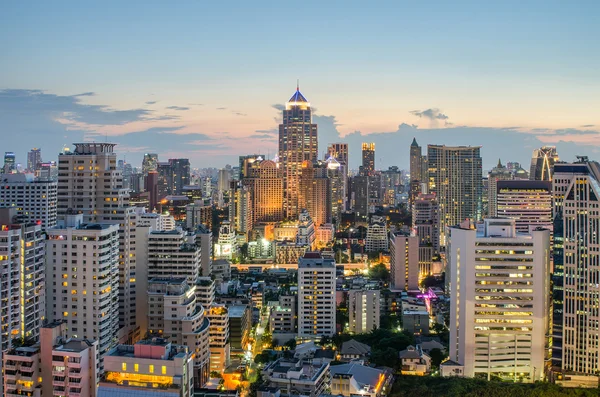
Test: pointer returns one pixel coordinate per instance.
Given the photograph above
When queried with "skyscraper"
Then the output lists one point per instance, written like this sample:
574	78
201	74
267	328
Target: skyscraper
34	159
404	261
368	159
34	199
363	311
150	163
297	143
90	184
265	185
498	173
542	163
180	169
426	223
455	178
499	293
339	151
315	192
416	169
529	203
10	163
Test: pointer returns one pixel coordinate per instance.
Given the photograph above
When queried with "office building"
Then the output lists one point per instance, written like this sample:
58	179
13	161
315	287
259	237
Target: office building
377	235
241	213
455	176
90	184
315	192
204	241
22	303
173	253
240	324
297	143
339	151
34	159
360	194
542	163
282	318
499	294
223	180
580	239
82	280
149	163
226	246
172	177
338	181
265	194
306	231
368	159
175	314
218	337
404	261
149	368
529	203
198	213
10	163
316	296
498	173
416	168
426	223
363	311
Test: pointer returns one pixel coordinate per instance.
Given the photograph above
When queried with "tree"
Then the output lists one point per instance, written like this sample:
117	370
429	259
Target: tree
387	357
379	272
437	356
254	386
216	374
290	344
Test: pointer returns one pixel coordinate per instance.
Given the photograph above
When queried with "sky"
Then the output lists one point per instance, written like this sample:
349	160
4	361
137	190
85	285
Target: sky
206	80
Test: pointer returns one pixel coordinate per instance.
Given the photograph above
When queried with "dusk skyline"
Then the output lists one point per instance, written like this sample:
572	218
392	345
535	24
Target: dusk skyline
207	82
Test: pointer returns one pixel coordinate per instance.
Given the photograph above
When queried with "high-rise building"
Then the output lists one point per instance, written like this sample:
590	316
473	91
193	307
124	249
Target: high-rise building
363	311
581	295
83	279
368	159
542	163
22	306
10	162
315	192
455	176
416	168
204	241
404	261
34	199
224	179
226	246
297	143
498	173
529	203
172	177
339	151
265	187
175	312
34	159
149	163
173	253
90	184
316	296
360	193
377	235
151	185
391	185
68	366
306	230
499	294
338	184
426	223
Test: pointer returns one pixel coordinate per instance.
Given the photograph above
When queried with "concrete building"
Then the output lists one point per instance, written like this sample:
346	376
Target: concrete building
316	296
499	294
404	261
173	253
542	163
315	192
240	323
360	193
82	278
363	311
34	159
354	379
175	314
69	366
22	290
297	377
226	246
416	167
148	368
368	159
529	203
415	321
426	224
377	235
218	337
498	173
455	176
204	241
297	143
34	199
306	230
264	182
282	318
90	184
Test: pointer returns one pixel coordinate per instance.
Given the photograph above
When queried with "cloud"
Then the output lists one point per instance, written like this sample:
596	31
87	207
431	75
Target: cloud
273	131
151	102
279	106
221	108
239	113
430	114
85	94
571	132
262	136
179	108
588	126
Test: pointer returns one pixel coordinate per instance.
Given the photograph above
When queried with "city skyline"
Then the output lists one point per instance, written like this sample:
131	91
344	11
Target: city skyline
209	92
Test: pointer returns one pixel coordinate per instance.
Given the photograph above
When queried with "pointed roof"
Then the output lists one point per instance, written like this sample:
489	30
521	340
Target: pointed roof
298	97
500	164
414	142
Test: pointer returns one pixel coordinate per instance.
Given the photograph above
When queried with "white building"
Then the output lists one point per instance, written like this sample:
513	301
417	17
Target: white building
353	379
499	300
363	311
82	278
377	235
175	313
170	254
34	199
404	261
22	290
90	184
204	241
529	203
295	377
226	247
316	296
148	368
306	230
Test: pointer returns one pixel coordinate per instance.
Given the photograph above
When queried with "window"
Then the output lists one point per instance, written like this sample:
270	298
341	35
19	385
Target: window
123	366
136	367
151	368
164	370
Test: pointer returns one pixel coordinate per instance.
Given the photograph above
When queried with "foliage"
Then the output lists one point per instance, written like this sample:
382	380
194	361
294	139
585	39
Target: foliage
437	356
254	386
390	322
379	272
290	344
341	317
385	344
216	374
421	386
442	332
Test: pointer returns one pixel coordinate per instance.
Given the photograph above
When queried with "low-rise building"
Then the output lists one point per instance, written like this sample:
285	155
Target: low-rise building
354	350
293	376
415	321
150	367
358	380
414	362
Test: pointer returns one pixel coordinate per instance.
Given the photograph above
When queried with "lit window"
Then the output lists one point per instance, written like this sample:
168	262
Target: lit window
136	367
124	367
151	368
164	369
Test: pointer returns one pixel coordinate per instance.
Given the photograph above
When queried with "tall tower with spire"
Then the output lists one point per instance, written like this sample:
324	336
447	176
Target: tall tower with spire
297	143
416	169
498	173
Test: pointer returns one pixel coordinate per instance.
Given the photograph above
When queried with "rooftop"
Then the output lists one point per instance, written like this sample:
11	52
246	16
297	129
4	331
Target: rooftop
237	310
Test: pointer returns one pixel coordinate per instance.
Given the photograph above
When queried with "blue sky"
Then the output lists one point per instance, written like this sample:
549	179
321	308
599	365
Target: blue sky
199	79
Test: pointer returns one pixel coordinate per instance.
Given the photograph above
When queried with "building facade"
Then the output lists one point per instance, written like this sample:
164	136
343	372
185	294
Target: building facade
316	296
363	311
404	261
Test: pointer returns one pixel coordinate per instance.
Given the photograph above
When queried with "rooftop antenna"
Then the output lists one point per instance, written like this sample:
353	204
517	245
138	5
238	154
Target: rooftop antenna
297	84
